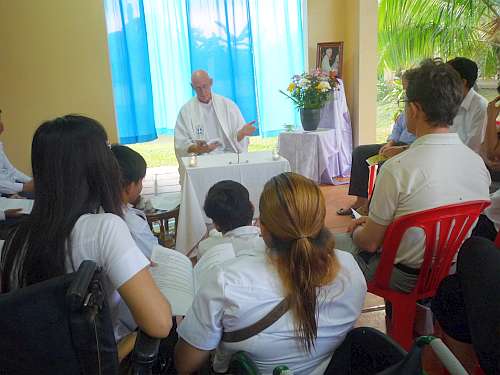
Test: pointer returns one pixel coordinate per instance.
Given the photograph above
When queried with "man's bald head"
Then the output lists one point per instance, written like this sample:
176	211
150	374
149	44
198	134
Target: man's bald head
202	84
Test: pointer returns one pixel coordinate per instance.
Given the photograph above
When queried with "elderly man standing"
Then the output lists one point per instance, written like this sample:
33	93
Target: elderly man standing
210	122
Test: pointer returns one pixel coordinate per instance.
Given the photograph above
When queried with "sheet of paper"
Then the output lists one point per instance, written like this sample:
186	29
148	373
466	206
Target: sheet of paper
355	213
8	203
212	257
167	201
376	159
173	274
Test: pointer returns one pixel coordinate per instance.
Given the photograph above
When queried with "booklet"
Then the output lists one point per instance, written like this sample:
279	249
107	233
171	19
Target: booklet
26	205
376	159
176	277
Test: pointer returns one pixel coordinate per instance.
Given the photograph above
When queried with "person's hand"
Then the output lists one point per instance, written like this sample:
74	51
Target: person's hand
29	187
356	223
384	147
202	147
247	130
13	212
493	110
389	152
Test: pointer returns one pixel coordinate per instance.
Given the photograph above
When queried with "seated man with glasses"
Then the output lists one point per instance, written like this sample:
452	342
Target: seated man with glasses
398	141
436	170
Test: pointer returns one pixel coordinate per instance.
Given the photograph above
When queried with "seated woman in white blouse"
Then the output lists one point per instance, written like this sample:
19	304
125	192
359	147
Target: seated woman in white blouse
324	286
77	216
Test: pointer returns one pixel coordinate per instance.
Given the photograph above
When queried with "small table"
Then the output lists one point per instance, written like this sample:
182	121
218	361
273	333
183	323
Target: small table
312	154
253	171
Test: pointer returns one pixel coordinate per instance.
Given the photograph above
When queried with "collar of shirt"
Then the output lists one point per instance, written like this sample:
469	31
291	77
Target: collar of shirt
246	240
437	139
466	102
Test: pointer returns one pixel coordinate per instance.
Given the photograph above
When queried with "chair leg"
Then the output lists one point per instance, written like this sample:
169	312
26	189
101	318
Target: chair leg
401	326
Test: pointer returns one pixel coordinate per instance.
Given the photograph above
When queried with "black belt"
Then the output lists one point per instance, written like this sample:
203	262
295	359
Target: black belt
406	269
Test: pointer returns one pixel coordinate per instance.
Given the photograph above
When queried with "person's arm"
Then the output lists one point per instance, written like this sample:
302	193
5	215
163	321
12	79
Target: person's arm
148	306
202	328
246	131
368	232
368	235
491	142
188	359
128	270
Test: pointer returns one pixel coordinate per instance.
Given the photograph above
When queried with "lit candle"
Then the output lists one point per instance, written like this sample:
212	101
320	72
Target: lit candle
193	162
276	155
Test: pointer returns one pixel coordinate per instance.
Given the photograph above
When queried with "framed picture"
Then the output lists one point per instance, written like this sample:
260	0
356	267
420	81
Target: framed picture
329	57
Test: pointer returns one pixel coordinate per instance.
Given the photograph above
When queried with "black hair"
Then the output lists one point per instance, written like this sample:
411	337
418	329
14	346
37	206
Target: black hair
438	89
74	173
132	164
228	204
466	68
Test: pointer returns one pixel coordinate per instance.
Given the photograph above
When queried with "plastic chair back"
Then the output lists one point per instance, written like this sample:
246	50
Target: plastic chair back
445	230
372	176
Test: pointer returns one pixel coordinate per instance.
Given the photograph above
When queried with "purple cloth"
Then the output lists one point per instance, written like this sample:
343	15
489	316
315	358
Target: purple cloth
335	115
311	154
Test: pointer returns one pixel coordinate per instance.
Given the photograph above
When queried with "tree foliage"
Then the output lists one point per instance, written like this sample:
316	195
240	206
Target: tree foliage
410	30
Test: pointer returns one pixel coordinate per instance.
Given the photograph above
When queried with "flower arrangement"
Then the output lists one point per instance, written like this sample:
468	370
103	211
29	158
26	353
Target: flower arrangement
311	90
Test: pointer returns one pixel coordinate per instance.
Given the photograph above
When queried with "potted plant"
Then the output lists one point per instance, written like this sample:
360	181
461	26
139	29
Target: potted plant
310	92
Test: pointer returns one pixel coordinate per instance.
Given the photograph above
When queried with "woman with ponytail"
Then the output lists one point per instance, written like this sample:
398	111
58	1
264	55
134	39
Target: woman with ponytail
297	266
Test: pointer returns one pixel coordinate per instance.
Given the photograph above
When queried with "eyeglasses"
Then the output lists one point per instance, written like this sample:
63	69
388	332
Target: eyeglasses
402	102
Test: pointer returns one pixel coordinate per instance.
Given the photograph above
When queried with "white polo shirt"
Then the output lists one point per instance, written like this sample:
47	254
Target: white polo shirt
437	170
243	290
11	179
139	229
470	121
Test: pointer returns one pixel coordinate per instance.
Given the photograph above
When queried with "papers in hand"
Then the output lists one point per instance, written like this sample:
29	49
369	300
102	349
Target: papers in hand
355	213
178	280
26	205
376	159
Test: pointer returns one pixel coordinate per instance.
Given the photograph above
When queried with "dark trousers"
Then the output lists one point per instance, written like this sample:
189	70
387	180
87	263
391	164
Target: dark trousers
359	169
467	304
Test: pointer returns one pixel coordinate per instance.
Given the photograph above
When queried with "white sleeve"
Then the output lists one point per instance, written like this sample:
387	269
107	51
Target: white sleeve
238	121
119	256
385	198
182	135
9	187
202	326
141	233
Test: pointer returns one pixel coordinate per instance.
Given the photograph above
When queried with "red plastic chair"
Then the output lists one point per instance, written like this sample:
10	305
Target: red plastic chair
441	244
372	176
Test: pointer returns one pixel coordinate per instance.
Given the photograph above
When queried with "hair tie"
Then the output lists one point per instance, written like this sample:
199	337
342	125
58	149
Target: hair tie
302	237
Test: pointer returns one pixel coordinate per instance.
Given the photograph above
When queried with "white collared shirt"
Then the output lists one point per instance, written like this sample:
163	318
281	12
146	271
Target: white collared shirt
242	290
139	229
470	121
437	170
216	238
11	179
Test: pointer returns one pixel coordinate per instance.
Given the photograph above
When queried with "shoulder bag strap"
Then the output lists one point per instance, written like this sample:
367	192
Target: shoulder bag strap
259	326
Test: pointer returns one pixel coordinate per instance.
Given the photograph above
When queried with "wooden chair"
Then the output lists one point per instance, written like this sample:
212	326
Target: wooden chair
445	230
165	235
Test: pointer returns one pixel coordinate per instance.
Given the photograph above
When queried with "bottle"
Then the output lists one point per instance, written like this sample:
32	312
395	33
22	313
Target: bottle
282	370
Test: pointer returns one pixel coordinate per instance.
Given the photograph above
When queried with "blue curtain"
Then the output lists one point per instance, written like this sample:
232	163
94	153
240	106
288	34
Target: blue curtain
251	48
166	24
220	42
128	49
278	54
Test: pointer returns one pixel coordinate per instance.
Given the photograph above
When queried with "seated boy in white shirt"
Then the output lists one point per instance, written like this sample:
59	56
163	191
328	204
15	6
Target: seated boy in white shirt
228	205
429	174
133	170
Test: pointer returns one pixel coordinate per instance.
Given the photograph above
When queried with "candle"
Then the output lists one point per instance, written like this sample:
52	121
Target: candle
276	155
193	162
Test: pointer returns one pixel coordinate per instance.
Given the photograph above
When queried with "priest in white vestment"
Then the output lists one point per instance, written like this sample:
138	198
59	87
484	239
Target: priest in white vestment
209	122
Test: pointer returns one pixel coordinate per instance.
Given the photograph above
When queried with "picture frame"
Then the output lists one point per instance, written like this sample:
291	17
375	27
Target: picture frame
330	61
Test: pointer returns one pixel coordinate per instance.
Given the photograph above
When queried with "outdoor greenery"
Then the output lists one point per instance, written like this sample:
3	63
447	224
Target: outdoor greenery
410	30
